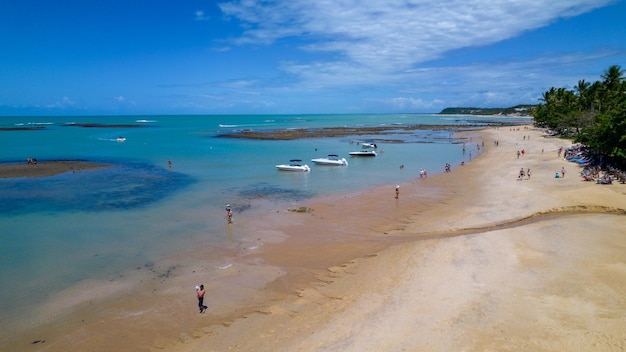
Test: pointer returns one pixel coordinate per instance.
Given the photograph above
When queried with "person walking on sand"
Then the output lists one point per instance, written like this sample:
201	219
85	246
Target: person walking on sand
397	191
562	171
200	296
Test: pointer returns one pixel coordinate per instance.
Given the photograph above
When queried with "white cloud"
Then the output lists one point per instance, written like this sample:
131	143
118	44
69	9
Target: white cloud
221	49
410	104
396	28
239	83
122	101
200	16
377	40
384	55
64	103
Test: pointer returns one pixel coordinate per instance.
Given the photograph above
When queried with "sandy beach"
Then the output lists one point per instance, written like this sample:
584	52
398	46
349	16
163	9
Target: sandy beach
471	260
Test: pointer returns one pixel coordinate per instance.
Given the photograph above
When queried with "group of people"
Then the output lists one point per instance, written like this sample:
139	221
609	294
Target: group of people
523	173
31	161
557	175
200	289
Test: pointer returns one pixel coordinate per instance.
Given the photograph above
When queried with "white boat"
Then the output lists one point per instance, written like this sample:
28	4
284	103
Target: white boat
121	139
369	145
294	165
363	153
333	159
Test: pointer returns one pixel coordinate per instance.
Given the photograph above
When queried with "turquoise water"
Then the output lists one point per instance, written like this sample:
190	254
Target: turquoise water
58	231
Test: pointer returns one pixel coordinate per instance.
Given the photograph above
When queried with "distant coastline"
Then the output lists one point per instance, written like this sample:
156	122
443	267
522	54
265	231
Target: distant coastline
514	111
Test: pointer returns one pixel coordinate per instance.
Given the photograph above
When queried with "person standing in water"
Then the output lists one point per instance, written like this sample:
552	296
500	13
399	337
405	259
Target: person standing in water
229	214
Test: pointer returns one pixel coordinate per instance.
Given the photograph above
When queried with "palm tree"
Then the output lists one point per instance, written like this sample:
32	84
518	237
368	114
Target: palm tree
613	77
583	94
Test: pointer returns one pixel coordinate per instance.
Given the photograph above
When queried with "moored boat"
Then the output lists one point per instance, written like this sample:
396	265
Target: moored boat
363	153
332	159
294	165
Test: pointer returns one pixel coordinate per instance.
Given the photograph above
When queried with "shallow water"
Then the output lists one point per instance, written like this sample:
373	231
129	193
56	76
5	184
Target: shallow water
59	231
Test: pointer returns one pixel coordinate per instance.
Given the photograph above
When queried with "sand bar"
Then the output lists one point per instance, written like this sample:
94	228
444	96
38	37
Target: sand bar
470	260
45	168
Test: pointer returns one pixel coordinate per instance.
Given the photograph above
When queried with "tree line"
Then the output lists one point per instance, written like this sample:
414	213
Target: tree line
594	114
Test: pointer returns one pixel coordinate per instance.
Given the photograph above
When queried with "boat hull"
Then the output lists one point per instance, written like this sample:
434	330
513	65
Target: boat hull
363	153
296	168
331	162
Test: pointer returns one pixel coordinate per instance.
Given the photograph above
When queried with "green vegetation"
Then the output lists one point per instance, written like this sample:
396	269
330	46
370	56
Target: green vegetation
518	110
593	114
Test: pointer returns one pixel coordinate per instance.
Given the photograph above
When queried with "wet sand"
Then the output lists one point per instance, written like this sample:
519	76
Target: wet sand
469	260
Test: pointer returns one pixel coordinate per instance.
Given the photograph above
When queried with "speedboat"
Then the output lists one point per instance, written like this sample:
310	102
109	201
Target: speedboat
333	159
363	153
121	139
369	145
294	165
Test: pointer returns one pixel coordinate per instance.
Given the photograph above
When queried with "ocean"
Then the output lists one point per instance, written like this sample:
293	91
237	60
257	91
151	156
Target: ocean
56	232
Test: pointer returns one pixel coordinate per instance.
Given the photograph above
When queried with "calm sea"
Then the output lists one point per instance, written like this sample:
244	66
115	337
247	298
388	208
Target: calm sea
57	231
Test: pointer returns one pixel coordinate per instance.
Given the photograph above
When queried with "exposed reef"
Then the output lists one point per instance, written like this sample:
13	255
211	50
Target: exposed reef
289	134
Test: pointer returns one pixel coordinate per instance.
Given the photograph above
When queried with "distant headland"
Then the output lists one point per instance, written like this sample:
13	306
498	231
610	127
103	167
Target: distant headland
518	110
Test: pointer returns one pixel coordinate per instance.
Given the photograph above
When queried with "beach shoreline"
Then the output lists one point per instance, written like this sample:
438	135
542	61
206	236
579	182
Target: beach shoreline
361	270
454	231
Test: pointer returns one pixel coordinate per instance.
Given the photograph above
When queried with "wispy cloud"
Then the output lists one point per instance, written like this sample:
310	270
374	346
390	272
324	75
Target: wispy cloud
200	16
121	100
64	103
384	42
397	34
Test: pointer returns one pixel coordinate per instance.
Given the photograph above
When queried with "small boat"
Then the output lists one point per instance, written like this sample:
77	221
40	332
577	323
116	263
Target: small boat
369	145
333	159
294	165
121	139
363	153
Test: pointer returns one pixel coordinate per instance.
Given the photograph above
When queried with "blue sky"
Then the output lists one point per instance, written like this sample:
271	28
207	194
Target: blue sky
71	57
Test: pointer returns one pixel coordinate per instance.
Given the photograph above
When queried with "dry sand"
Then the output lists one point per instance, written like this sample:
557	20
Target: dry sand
472	260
